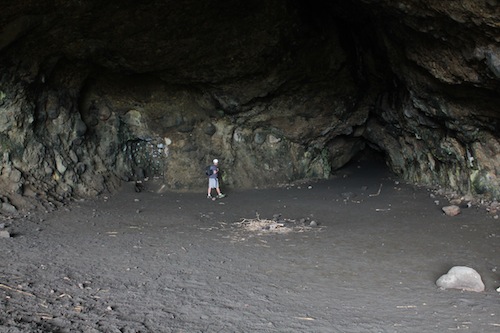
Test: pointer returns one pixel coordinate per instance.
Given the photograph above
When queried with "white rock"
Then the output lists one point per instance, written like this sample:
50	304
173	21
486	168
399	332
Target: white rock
273	140
461	277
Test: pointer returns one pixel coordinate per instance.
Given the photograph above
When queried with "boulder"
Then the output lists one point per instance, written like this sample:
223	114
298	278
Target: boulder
452	210
461	277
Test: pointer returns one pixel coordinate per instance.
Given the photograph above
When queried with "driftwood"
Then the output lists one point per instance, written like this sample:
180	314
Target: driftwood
378	192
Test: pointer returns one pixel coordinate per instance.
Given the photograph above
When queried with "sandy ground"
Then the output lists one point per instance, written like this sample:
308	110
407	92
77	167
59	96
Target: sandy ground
178	262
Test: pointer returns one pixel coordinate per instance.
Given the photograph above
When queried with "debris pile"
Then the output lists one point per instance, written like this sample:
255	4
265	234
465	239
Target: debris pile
277	225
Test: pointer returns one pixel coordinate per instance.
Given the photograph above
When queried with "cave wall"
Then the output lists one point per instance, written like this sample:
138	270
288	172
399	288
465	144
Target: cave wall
92	94
441	113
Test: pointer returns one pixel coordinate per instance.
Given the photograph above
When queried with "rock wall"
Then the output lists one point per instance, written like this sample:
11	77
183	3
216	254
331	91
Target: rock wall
98	93
178	130
441	113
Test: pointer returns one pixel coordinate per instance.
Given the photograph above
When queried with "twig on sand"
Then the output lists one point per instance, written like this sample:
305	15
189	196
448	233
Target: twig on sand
16	290
305	318
45	316
378	192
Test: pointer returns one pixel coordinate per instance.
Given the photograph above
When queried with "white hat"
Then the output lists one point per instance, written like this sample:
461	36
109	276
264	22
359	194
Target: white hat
216	161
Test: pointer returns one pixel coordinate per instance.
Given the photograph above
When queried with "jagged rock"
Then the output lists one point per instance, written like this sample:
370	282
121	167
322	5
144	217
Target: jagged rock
461	277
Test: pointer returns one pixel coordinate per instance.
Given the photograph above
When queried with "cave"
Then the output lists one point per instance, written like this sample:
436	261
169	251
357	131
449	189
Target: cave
94	94
110	112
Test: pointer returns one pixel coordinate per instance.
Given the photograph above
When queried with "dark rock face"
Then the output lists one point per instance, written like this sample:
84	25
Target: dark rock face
92	93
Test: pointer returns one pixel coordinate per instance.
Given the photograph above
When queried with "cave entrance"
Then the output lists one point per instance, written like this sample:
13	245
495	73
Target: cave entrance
372	157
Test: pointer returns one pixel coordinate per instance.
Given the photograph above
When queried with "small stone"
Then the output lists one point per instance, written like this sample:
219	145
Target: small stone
80	127
8	207
104	112
209	129
468	198
461	277
273	140
60	164
4	234
452	210
15	176
313	224
259	138
80	168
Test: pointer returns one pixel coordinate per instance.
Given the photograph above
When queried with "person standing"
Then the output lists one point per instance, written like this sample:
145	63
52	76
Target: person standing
213	180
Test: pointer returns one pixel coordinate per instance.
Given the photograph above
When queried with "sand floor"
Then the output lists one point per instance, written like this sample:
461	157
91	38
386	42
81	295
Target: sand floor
178	262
